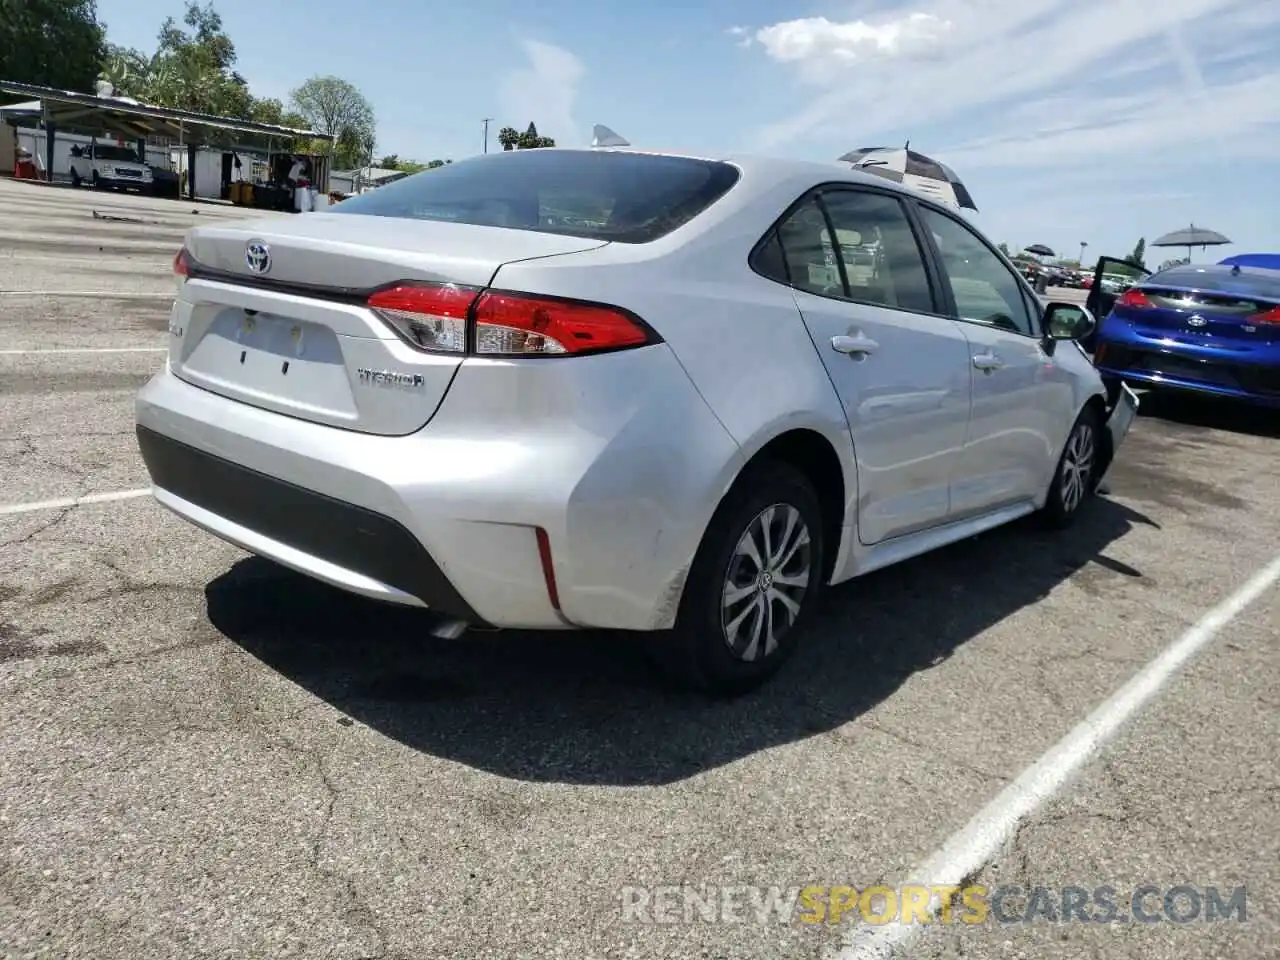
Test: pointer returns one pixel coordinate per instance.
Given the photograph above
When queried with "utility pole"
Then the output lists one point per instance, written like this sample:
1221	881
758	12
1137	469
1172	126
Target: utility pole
487	121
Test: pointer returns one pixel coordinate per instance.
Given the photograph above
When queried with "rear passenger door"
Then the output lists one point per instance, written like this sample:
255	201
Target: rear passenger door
900	367
1023	405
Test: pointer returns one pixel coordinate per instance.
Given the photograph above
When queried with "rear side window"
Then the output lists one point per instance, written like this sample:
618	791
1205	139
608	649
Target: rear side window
808	252
874	257
596	194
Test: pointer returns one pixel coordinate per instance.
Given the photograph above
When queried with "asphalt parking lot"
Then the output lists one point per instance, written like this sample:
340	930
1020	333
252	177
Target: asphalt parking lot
202	755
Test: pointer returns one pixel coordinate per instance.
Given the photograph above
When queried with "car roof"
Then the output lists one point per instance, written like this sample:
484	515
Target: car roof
761	169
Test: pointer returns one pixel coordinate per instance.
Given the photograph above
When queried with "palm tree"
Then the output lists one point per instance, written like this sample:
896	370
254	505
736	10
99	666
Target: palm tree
508	137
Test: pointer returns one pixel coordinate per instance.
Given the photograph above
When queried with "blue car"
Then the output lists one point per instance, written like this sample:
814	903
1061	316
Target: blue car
1212	329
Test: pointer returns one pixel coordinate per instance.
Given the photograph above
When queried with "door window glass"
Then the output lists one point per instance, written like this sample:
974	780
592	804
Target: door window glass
985	290
881	256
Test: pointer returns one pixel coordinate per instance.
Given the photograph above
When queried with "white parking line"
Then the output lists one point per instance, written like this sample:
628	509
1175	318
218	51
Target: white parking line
982	838
24	353
9	509
89	294
160	266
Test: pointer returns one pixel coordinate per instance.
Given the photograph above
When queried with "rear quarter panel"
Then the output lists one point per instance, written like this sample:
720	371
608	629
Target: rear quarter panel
739	337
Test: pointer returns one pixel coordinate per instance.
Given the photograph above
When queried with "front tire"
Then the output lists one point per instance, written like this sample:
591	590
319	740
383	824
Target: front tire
1075	480
75	180
95	181
754	583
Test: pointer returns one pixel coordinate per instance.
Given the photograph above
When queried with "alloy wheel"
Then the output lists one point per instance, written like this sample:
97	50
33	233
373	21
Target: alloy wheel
1077	466
765	583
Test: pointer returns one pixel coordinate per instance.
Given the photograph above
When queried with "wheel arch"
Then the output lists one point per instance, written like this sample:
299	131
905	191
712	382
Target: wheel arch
811	452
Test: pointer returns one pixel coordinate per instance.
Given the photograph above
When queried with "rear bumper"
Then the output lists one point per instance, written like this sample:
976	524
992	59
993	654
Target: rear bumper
137	184
366	552
1194	369
449	517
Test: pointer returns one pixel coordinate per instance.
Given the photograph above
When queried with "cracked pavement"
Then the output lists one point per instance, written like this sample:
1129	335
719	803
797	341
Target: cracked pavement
207	756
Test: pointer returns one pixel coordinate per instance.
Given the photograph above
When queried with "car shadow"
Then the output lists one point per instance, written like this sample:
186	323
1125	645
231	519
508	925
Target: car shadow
585	708
1210	412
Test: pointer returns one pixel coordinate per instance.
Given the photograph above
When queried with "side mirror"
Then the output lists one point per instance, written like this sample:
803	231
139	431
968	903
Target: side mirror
1068	321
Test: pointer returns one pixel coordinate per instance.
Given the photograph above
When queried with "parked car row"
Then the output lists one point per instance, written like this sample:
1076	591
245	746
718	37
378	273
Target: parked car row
1054	274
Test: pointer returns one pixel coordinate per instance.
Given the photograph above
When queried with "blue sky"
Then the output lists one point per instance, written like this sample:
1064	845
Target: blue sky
1069	121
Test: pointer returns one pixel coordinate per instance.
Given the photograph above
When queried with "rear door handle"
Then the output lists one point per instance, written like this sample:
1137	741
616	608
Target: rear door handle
987	362
857	346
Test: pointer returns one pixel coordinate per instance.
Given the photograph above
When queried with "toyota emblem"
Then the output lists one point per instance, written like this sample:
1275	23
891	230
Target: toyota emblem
257	256
1197	321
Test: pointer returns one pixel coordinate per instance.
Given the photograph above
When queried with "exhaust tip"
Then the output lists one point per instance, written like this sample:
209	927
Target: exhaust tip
448	628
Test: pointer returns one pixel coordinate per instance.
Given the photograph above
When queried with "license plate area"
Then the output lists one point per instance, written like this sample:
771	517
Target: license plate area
289	365
280	337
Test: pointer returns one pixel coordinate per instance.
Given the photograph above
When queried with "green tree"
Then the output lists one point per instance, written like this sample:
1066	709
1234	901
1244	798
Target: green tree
391	162
1004	248
1139	251
52	43
270	110
127	70
335	107
531	139
348	151
508	137
192	69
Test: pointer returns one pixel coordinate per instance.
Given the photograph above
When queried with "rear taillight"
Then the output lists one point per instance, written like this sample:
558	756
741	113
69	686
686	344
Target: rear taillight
182	264
1269	316
436	318
1134	299
512	324
429	317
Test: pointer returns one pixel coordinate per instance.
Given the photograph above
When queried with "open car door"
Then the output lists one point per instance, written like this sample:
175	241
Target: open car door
1111	278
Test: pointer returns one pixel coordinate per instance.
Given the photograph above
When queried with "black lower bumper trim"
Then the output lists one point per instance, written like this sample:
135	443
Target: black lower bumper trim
351	537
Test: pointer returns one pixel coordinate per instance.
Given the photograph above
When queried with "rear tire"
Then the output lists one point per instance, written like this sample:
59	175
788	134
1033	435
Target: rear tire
95	182
1075	480
753	585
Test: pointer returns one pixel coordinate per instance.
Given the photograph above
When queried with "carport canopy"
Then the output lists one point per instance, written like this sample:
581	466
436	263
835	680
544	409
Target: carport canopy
89	113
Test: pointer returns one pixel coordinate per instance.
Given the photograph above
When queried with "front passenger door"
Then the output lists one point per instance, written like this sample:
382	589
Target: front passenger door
1023	405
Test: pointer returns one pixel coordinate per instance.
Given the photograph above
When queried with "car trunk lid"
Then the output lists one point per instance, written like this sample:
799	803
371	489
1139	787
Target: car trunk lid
1224	310
274	313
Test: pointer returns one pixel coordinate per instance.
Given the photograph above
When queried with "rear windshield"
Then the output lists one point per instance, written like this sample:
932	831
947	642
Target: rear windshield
115	153
600	195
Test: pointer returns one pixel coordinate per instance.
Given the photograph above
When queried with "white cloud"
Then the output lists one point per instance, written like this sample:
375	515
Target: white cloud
1233	122
544	92
1054	83
823	49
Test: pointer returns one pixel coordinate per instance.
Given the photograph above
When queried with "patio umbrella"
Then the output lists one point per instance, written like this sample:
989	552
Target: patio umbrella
906	166
1039	250
1191	236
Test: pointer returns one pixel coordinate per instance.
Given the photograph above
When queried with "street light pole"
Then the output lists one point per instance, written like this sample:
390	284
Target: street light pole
487	121
1083	244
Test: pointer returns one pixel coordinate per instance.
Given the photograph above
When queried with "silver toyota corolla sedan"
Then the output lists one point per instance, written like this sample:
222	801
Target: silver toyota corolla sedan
612	389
